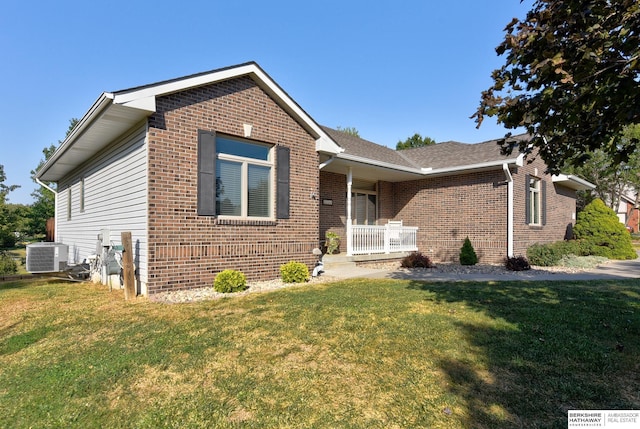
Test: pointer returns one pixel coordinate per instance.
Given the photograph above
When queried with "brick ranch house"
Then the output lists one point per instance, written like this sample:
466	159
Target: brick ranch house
224	170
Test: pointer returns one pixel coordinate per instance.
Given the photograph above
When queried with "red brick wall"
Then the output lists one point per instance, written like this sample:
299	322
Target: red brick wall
448	209
187	250
561	209
333	187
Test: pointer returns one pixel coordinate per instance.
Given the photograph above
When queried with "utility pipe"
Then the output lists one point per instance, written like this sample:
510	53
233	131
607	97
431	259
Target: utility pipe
55	205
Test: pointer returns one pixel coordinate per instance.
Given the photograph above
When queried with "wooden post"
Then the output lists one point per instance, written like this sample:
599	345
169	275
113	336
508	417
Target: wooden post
127	266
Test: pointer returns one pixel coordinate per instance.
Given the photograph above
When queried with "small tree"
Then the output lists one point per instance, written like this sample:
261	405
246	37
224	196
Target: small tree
467	254
604	234
349	130
414	141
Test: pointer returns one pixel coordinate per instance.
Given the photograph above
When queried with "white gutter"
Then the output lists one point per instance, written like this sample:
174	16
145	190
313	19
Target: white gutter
368	161
509	177
327	162
55	204
519	161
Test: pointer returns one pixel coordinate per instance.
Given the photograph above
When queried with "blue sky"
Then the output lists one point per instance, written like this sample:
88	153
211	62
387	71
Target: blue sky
389	69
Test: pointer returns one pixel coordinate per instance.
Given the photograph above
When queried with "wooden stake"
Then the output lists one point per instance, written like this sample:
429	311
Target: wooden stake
127	266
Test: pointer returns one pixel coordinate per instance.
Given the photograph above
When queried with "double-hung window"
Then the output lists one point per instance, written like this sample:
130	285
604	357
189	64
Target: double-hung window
535	201
244	179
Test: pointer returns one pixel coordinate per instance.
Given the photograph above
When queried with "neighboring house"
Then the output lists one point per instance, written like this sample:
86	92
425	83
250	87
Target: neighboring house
224	170
628	212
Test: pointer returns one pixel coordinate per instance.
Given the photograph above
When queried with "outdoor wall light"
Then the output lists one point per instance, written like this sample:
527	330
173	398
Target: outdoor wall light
247	130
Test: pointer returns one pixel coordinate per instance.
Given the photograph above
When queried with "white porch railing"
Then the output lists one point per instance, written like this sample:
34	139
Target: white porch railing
368	239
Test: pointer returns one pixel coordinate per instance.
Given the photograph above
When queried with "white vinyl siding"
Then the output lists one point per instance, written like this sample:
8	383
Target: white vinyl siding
115	197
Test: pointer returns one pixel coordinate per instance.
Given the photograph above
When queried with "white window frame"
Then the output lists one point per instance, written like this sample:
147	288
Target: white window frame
535	201
244	180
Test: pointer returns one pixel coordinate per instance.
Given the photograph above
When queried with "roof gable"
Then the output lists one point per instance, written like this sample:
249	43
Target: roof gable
114	113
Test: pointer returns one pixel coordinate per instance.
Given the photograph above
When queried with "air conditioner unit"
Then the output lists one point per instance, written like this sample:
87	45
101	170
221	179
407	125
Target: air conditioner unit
47	257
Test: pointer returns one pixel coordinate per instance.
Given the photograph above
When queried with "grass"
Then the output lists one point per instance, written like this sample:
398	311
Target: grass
352	354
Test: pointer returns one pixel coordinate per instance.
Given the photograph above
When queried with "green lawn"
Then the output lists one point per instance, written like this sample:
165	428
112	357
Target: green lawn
352	354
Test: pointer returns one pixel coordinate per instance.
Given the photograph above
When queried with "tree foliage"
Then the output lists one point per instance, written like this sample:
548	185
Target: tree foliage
349	130
612	179
571	78
599	227
43	206
8	219
414	141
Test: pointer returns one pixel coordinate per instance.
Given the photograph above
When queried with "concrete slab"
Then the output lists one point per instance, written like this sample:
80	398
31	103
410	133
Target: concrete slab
612	270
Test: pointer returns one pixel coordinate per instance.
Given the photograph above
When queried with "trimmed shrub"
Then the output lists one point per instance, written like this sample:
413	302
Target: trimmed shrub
550	254
599	227
7	264
467	254
228	281
517	263
294	272
416	260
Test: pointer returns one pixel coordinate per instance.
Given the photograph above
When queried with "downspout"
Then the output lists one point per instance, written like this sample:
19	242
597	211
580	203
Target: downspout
55	205
509	178
349	226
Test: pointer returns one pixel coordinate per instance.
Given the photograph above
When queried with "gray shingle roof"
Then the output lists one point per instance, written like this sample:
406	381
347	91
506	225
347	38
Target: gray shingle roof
441	155
356	146
456	154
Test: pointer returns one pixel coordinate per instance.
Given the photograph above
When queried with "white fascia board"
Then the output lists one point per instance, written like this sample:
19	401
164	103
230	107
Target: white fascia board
182	84
147	104
480	166
103	102
376	163
144	98
574	182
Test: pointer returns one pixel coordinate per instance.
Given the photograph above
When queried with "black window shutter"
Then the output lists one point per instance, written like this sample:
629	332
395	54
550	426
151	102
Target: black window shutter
543	203
527	196
282	186
206	173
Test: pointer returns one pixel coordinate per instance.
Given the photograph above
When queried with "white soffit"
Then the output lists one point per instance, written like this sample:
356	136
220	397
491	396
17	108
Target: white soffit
572	182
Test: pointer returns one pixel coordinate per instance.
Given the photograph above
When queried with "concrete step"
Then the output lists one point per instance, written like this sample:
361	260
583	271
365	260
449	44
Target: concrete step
341	260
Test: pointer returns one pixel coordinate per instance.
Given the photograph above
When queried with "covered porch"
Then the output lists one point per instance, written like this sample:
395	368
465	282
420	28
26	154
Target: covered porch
362	214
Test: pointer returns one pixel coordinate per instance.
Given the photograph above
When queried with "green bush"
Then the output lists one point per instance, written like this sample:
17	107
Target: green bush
7	239
467	254
550	254
332	242
294	272
517	263
228	281
7	264
599	227
416	260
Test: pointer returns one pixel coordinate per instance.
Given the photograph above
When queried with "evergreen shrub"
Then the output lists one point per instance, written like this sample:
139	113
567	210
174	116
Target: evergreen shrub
468	255
602	232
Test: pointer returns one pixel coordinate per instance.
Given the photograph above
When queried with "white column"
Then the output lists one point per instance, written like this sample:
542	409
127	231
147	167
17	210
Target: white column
509	177
349	223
